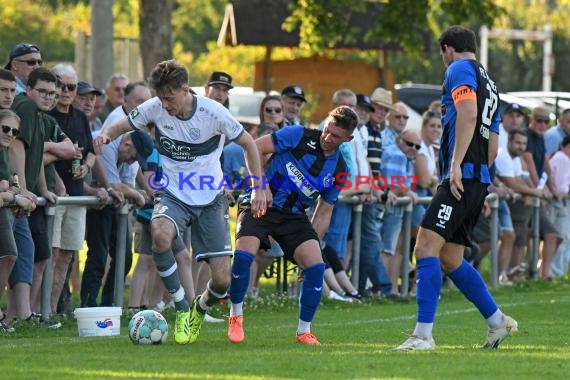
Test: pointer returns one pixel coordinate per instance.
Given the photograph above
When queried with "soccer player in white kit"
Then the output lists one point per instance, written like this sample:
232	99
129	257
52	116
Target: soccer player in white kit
190	133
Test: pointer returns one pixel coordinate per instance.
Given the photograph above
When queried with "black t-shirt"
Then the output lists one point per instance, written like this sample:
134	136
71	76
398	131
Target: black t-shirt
4	165
76	126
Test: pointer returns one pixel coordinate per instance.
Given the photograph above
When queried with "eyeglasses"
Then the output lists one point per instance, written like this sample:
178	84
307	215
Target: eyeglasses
538	120
7	129
411	144
45	93
31	62
273	110
405	117
68	86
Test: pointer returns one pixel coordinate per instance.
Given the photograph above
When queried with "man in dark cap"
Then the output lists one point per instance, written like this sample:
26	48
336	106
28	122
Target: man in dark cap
218	87
514	117
117	158
23	59
86	97
293	101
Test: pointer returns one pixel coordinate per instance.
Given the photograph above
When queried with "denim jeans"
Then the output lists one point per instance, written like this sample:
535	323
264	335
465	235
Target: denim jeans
337	234
371	264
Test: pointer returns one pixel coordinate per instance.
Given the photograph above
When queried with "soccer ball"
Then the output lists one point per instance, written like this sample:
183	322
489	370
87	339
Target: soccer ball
148	327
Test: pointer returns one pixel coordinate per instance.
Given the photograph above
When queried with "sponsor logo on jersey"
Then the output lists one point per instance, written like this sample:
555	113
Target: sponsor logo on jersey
300	181
312	144
194	133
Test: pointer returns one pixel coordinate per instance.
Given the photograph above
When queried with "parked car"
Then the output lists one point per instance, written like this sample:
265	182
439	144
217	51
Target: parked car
244	103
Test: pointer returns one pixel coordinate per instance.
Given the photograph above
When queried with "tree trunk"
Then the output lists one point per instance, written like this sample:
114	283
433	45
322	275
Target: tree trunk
101	41
155	25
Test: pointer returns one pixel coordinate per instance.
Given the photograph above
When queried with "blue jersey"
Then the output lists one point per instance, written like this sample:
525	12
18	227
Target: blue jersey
299	172
465	72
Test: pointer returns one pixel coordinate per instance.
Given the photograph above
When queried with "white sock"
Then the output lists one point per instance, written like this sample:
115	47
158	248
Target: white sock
495	320
236	309
203	305
304	327
423	330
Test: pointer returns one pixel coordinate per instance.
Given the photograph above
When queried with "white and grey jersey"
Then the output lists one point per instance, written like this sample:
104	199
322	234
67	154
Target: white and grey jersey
190	148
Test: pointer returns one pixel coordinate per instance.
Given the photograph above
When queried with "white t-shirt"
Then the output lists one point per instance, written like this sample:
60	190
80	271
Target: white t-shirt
503	137
429	153
508	166
114	116
190	148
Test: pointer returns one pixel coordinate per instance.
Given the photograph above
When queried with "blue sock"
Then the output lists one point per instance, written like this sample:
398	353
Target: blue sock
311	291
469	281
428	288
240	275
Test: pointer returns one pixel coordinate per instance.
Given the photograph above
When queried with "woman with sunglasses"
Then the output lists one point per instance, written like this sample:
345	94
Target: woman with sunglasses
9	200
271	111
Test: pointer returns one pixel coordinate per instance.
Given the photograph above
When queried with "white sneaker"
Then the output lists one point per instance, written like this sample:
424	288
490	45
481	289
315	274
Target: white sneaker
415	343
504	280
496	336
337	297
210	319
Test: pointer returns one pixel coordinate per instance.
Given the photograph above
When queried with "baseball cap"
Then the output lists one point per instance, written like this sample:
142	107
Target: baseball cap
219	77
540	113
514	107
20	50
84	88
382	97
294	92
144	146
364	102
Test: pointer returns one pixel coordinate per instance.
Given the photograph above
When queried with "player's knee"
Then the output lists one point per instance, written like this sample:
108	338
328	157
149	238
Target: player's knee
162	234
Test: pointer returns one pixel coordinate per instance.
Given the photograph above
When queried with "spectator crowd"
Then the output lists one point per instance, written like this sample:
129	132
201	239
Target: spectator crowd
49	118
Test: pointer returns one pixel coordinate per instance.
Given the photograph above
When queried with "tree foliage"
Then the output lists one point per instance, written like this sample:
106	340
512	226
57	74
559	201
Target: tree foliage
322	24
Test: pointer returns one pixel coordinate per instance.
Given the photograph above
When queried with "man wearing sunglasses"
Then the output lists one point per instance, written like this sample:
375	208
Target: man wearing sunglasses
538	166
24	58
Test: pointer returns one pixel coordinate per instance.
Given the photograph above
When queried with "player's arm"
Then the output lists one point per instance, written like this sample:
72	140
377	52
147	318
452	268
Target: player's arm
110	133
253	162
465	101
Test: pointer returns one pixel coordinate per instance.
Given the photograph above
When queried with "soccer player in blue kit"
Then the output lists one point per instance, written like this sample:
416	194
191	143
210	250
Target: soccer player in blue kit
303	168
470	105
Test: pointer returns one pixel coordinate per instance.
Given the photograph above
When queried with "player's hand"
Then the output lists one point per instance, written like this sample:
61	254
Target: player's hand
258	203
455	183
99	141
4	185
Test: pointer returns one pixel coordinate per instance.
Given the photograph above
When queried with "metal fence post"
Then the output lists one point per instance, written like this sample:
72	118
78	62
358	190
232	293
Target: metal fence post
407	224
48	271
533	272
356	232
494	236
120	255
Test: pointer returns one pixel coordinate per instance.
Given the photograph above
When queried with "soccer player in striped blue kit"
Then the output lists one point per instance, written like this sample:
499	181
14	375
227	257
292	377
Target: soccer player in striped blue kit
470	105
303	168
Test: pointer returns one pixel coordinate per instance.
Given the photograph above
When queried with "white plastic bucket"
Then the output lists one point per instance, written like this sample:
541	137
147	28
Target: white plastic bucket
98	321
